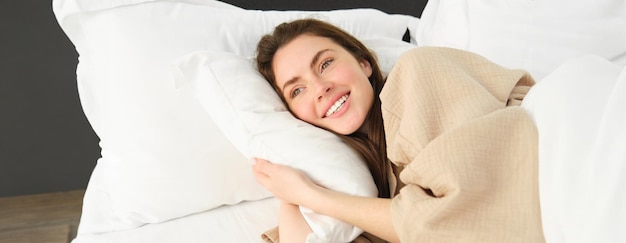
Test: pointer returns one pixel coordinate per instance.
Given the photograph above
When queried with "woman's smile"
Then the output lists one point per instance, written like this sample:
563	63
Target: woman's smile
337	106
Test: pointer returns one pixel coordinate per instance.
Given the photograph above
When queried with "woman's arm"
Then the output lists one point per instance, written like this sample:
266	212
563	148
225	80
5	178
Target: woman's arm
370	214
291	225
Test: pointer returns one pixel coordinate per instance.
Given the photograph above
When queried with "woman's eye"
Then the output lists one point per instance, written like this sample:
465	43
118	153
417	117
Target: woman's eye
296	92
325	64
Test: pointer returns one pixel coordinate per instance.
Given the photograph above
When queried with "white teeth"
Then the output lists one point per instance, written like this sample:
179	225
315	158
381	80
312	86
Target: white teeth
337	105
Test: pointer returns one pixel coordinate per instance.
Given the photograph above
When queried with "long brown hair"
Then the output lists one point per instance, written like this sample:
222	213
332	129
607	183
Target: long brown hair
370	145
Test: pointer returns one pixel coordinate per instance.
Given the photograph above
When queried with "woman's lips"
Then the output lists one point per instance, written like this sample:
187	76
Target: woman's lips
337	105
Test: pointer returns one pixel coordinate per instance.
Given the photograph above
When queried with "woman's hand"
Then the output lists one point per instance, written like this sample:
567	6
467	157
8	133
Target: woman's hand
294	187
286	183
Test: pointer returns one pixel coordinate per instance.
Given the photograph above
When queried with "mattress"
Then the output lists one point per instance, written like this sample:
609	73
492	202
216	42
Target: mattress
243	222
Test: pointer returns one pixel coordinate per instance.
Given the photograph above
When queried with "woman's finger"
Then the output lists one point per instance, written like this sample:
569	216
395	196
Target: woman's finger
260	170
263	166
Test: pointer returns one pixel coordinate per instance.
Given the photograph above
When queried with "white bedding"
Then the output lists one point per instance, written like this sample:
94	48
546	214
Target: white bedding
580	114
244	222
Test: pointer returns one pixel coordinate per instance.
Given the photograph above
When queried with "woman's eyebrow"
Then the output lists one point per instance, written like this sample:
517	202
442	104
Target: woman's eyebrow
317	57
290	82
312	65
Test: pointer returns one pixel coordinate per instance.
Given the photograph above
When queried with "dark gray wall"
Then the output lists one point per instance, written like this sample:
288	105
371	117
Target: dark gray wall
46	143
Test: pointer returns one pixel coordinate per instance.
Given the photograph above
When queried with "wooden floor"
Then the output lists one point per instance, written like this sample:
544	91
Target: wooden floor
50	217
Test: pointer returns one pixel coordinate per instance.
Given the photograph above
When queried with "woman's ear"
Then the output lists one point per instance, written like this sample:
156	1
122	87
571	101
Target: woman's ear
366	67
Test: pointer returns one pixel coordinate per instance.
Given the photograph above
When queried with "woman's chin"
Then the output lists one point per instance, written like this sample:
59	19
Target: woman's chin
348	129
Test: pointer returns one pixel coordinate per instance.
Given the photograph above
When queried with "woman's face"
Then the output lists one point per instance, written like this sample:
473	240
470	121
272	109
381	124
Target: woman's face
323	83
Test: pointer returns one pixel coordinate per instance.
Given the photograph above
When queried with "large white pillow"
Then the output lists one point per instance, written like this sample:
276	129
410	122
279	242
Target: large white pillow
252	116
163	157
533	35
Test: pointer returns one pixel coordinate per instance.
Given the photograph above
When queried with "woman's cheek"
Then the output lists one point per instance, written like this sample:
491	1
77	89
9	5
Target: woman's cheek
305	111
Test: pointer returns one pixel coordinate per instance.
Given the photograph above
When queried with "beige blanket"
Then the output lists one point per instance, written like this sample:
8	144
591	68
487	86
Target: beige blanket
468	153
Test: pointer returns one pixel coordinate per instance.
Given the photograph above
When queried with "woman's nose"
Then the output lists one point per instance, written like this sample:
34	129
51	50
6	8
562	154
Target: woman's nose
323	88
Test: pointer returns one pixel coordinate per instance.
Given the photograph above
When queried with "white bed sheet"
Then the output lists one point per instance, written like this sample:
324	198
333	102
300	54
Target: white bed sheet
580	112
243	222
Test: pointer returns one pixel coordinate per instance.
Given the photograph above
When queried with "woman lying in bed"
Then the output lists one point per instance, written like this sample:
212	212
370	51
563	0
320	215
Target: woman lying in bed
453	155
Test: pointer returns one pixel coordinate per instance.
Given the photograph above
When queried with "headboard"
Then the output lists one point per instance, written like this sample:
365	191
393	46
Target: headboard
408	7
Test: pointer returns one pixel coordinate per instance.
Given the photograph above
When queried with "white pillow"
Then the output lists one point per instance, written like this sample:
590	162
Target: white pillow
255	120
534	35
163	157
253	117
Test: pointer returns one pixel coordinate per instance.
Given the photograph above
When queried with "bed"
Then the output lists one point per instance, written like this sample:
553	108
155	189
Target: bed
169	88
